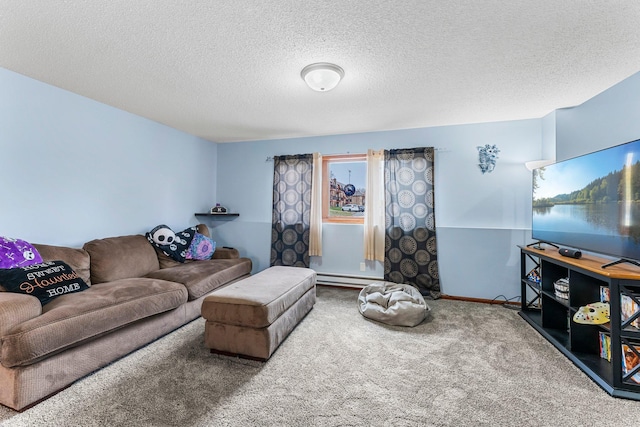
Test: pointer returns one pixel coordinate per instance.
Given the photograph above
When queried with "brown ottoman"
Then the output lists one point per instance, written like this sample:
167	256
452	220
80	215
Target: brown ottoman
252	317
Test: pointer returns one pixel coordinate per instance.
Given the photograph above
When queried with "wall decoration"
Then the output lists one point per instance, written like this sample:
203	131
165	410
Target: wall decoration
349	190
487	157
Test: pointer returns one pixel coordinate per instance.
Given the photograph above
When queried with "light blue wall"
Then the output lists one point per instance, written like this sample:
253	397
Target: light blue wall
74	169
608	119
480	218
548	137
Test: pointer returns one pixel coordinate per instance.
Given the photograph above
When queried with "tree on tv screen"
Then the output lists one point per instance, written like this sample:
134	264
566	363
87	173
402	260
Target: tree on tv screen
622	185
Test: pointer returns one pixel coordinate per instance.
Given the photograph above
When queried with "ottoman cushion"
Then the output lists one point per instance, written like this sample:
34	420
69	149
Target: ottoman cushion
259	300
252	317
257	343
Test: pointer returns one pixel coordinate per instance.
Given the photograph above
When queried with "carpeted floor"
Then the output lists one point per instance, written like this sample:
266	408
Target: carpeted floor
468	364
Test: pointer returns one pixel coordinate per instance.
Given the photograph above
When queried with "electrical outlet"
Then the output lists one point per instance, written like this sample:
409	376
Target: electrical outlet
363	267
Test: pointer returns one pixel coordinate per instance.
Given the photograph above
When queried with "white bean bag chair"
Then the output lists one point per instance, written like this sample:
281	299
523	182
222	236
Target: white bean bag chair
393	303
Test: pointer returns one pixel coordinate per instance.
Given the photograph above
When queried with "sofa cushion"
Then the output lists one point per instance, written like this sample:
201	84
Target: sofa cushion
45	281
72	319
77	259
120	257
203	229
15	309
202	277
226	253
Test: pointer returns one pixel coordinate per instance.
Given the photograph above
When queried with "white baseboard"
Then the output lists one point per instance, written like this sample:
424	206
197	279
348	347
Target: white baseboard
348	281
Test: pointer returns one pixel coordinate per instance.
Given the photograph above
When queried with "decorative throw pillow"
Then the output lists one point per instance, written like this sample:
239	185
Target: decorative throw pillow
46	281
17	253
202	247
174	245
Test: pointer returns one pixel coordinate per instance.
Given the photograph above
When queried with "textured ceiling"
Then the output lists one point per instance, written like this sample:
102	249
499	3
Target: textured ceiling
230	70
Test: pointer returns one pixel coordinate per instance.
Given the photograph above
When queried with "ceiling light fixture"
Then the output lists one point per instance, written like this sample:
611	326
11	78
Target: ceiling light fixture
322	76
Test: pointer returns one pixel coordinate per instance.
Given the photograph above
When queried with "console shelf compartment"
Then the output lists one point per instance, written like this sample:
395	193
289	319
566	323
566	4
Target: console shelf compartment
552	316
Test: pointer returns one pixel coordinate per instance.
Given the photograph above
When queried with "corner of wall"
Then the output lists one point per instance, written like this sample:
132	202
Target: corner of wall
548	148
609	118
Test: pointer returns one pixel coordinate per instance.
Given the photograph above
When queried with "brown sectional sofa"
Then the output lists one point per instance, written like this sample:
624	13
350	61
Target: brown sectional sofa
136	295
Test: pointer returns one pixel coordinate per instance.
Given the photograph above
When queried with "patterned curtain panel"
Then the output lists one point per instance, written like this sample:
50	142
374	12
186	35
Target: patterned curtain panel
292	177
410	235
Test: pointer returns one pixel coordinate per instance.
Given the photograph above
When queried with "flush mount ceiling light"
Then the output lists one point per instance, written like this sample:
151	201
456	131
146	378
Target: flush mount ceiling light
322	76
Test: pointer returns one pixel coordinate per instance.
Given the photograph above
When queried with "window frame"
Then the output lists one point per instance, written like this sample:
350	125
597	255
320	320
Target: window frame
326	161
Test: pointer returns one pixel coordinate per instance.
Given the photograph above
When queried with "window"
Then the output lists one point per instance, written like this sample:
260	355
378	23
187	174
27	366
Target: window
344	180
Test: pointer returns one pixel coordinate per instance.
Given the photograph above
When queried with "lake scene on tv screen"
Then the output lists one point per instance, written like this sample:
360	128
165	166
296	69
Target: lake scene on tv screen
591	202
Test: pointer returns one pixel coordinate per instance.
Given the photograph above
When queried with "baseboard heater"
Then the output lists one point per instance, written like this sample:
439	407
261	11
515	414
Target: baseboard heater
348	281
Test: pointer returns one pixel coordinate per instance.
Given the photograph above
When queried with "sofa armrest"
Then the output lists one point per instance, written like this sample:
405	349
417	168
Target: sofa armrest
17	308
226	253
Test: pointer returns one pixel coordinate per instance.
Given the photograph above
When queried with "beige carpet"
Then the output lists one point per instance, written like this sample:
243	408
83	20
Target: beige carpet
468	365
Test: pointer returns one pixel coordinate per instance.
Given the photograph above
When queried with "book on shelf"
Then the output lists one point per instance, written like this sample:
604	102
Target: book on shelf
605	346
534	275
630	360
628	306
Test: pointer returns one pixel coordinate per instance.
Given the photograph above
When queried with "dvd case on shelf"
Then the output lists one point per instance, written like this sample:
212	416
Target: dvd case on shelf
630	360
628	306
605	346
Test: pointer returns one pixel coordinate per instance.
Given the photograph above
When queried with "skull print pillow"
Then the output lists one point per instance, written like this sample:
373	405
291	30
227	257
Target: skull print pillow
174	245
17	253
161	235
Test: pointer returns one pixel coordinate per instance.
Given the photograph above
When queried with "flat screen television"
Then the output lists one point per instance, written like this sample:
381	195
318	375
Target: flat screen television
591	202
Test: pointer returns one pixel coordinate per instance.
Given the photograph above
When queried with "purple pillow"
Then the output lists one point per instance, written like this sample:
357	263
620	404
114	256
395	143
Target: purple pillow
17	253
201	248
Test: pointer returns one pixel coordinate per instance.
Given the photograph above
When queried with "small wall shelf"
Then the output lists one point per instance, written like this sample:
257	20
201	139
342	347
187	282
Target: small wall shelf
220	216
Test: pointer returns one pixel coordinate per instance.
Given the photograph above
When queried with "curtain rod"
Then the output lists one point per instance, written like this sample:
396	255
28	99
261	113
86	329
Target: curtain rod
441	149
